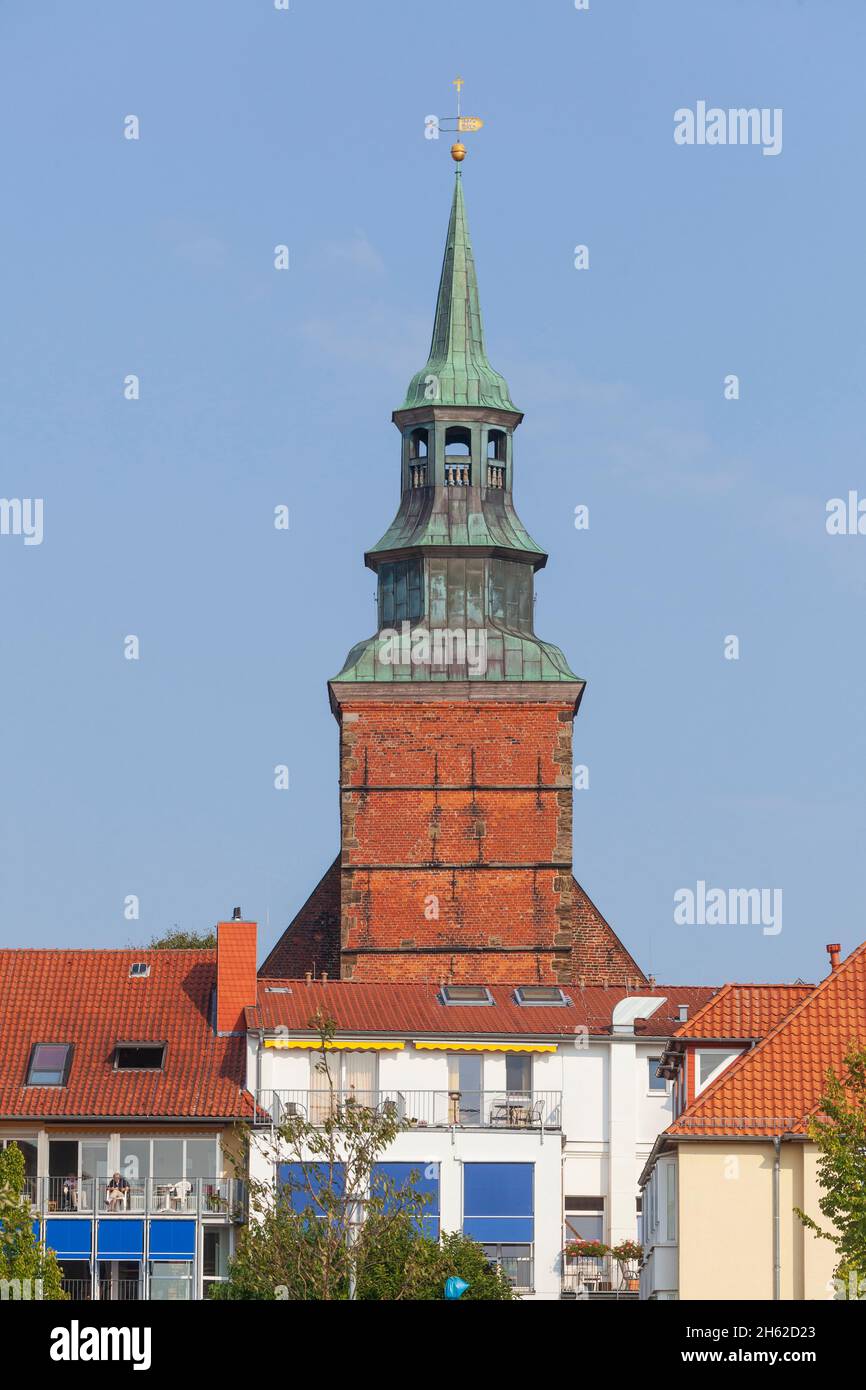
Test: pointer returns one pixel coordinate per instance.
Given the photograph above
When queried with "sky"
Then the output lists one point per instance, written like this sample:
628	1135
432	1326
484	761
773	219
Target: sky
153	778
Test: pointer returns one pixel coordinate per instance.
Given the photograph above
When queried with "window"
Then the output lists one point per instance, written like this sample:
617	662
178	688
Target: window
139	970
351	1077
499	1211
518	1074
215	1257
510	594
400	592
496	445
656	1082
465	1088
139	1056
670	1202
49	1064
465	994
458	441
541	995
712	1062
421	1178
584	1218
418	444
171	1280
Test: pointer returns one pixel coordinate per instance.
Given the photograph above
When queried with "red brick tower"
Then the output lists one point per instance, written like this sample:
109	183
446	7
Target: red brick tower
455	718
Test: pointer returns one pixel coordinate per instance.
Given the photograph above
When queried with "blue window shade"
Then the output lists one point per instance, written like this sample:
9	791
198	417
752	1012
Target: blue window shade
426	1183
172	1240
68	1238
306	1180
498	1202
120	1239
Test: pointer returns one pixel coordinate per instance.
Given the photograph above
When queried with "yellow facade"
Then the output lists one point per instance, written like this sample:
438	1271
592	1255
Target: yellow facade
725	1222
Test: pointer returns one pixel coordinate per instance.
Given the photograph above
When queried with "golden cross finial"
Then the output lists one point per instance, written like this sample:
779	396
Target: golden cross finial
462	123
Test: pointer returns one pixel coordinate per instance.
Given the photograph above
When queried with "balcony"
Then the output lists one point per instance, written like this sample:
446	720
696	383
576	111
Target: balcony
507	1110
599	1278
200	1197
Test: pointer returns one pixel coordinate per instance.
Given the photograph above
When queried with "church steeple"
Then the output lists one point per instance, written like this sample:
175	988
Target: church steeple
457	370
457	557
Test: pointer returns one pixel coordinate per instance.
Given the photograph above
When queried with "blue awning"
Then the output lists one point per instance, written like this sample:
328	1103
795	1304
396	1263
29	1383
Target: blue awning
120	1239
68	1238
172	1240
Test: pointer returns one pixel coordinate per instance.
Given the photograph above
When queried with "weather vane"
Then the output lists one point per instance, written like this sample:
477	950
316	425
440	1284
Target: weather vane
462	124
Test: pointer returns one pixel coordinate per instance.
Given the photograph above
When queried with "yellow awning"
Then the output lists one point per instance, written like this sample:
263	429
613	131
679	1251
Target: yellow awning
484	1047
337	1045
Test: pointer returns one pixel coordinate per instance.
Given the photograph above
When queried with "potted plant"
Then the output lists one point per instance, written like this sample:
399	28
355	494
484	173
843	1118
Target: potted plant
628	1255
588	1256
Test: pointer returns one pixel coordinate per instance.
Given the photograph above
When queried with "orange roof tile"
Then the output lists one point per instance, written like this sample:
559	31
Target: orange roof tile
380	1007
88	999
744	1011
775	1087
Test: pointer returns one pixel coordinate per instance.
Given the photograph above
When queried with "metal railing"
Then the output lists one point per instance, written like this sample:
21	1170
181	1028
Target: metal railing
120	1290
206	1197
600	1277
80	1290
518	1268
532	1110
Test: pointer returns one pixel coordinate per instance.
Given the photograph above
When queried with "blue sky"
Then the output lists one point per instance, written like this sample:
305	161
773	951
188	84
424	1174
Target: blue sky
707	516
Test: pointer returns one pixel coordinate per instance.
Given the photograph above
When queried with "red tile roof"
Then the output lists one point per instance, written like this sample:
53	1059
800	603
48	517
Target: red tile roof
744	1011
87	998
408	1009
775	1087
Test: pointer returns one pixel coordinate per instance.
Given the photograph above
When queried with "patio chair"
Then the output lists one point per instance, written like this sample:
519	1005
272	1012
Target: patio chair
180	1194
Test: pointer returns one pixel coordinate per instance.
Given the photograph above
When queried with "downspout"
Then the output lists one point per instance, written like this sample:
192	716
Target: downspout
777	1224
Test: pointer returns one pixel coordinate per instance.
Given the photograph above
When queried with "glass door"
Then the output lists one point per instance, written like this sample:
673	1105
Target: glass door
465	1088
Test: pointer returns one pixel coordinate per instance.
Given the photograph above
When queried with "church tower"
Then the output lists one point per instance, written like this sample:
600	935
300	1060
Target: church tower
455	717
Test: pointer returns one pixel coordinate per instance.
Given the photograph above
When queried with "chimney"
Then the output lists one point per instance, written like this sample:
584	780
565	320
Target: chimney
833	952
236	973
683	1013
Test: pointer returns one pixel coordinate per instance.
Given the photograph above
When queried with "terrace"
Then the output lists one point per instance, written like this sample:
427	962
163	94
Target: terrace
507	1110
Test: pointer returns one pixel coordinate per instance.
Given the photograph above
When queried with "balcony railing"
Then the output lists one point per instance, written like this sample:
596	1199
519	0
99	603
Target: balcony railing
599	1277
512	1110
119	1290
81	1290
206	1197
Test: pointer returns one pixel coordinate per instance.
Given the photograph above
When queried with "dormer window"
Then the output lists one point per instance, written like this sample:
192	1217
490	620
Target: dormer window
545	996
49	1064
139	970
465	994
139	1056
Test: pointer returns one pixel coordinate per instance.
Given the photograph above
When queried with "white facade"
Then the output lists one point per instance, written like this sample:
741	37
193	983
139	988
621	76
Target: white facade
585	1123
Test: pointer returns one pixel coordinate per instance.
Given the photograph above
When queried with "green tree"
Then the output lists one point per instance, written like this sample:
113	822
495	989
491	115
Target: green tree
177	940
21	1258
839	1130
338	1229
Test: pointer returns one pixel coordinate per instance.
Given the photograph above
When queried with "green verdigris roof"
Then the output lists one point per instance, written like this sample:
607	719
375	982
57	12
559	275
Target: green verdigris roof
508	656
458	517
458	359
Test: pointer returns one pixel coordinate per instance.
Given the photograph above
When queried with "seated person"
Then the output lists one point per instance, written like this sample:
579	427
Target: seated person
117	1192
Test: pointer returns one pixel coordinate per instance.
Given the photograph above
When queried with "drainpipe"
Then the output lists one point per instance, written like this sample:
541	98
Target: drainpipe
777	1227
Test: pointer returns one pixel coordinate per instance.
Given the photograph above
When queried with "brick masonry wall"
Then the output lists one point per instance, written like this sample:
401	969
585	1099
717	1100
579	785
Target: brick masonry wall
456	838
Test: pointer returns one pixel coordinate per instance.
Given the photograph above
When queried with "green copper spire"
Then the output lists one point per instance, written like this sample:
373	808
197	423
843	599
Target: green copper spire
458	359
